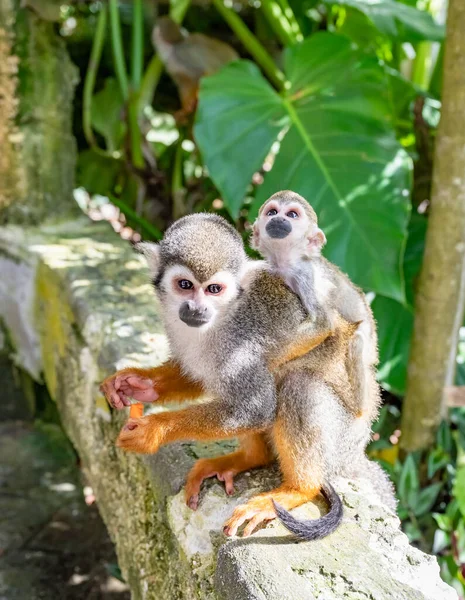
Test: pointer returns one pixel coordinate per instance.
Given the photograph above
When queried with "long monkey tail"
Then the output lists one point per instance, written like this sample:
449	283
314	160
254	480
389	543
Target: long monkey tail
314	529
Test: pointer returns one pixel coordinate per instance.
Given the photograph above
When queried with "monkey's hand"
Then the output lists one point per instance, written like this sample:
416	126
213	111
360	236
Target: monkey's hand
126	384
144	435
162	384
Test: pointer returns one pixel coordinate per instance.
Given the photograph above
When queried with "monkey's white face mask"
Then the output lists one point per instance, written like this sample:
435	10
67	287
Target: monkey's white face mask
283	233
197	304
185	300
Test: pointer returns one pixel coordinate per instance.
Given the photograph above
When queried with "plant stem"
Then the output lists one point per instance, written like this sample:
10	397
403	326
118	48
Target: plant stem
135	135
279	22
91	74
131	214
251	44
149	82
289	13
178	10
421	64
177	188
435	86
117	44
137	56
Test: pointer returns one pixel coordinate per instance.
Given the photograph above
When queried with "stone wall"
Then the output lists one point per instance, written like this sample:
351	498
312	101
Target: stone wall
38	150
76	304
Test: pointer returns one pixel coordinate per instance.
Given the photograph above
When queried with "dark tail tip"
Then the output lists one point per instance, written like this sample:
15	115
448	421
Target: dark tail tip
314	529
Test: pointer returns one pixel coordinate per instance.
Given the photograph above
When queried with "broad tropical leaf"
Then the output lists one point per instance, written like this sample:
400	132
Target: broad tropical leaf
338	149
395	326
396	19
238	118
395	320
341	154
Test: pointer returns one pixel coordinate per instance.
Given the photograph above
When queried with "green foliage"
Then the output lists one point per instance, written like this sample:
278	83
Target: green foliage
396	20
431	491
107	108
337	148
395	320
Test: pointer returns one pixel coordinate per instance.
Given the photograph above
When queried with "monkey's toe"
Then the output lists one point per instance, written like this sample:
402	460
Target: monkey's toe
228	478
256	511
204	469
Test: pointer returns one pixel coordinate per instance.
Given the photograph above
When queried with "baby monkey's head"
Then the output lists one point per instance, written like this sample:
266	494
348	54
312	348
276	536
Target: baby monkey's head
287	228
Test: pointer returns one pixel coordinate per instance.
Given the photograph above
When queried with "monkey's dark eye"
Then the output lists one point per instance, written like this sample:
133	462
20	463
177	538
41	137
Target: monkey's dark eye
185	284
292	214
272	212
214	288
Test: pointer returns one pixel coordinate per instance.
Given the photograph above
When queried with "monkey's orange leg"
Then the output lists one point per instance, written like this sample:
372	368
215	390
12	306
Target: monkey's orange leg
261	508
299	485
162	384
254	452
298	349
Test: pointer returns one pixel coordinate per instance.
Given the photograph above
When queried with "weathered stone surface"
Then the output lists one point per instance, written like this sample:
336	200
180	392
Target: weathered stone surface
38	152
95	312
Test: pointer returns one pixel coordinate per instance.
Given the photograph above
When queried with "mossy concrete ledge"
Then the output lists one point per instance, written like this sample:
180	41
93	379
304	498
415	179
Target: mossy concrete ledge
77	304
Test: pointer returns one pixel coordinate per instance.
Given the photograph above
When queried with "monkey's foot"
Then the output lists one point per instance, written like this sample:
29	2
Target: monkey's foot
204	468
261	508
144	435
254	452
256	511
120	387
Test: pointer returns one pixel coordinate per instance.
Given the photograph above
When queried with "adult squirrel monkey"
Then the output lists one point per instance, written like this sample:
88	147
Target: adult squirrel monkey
287	235
188	57
225	339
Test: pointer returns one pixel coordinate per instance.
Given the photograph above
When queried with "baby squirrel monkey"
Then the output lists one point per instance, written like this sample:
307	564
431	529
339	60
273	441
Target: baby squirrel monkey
287	235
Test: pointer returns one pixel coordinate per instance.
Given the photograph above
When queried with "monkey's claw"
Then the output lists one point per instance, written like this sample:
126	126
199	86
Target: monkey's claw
193	502
255	512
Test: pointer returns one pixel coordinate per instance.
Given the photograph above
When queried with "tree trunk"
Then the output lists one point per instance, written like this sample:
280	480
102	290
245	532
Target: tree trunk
38	151
441	294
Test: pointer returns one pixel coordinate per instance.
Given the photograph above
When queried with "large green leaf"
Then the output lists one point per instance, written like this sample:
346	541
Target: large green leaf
338	150
395	320
341	154
238	118
395	326
396	19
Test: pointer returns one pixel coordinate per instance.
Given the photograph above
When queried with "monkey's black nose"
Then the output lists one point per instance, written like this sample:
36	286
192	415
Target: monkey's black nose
278	228
194	316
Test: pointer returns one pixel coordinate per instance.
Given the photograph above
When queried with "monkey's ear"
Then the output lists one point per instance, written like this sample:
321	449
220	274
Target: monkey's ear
152	254
255	237
316	242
